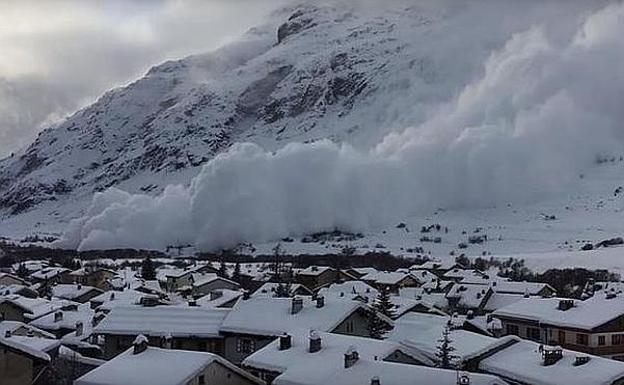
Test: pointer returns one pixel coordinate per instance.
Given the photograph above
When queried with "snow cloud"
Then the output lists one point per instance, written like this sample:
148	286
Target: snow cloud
541	111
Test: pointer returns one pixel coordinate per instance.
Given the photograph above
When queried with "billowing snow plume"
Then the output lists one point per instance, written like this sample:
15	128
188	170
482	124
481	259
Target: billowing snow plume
540	113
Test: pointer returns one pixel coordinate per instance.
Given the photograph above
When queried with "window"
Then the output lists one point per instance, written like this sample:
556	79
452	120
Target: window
601	340
534	334
513	329
617	339
245	345
202	380
582	339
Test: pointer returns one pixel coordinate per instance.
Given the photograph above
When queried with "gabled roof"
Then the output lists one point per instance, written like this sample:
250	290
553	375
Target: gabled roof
522	362
272	316
27	339
333	347
35	307
72	291
586	315
176	321
156	366
268	289
314	270
69	318
386	278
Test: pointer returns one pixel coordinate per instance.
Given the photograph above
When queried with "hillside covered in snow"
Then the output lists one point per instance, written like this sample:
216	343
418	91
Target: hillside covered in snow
335	116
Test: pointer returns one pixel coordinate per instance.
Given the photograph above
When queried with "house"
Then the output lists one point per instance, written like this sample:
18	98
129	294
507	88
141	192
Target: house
317	349
359	272
75	292
594	326
189	328
18	308
21	290
25	352
357	290
393	281
526	363
314	277
269	288
90	276
50	275
438	268
355	370
253	323
10	279
129	297
203	284
174	279
146	365
422	332
468	297
64	321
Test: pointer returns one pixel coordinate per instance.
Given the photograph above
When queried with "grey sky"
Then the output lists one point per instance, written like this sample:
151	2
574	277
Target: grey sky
59	55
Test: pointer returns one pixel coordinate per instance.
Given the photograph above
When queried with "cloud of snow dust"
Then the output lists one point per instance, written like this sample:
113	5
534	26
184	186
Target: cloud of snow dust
538	115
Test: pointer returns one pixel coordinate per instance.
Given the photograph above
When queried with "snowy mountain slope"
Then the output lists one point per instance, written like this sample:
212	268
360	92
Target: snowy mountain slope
477	105
312	72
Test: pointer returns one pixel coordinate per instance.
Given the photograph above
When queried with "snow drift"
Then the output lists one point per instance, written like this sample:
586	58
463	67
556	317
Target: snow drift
541	112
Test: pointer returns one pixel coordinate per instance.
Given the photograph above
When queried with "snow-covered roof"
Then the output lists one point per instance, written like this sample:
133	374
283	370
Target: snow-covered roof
200	279
219	297
48	273
72	291
69	318
268	289
113	299
162	320
27	339
156	366
586	315
386	277
422	331
272	316
314	270
35	307
434	265
470	296
387	372
522	362
333	347
350	289
500	300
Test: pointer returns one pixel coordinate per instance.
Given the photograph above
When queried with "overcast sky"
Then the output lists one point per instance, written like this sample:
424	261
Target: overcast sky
59	55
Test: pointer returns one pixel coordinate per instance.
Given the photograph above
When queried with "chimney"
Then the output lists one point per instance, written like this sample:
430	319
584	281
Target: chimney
297	305
58	316
581	360
375	381
192	303
470	314
79	328
551	354
79	287
565	304
320	301
285	342
350	357
7	334
140	344
112	296
315	342
246	295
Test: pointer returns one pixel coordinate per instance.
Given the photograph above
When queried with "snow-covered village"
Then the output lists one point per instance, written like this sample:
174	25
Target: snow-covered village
311	192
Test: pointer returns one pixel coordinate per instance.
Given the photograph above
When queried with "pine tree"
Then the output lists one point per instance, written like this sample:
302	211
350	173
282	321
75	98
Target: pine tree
223	270
445	349
276	267
148	271
377	327
236	274
22	271
383	305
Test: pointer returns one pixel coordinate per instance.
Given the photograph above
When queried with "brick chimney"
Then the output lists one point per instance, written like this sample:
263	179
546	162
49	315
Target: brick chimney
350	357
140	344
285	342
297	305
315	342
